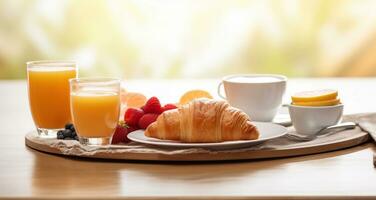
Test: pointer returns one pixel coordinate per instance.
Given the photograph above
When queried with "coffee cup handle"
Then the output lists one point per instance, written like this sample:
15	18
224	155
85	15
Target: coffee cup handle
219	90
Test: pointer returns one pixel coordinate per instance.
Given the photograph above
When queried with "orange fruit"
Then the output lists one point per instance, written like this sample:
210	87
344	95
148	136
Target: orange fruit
315	95
132	99
194	94
330	102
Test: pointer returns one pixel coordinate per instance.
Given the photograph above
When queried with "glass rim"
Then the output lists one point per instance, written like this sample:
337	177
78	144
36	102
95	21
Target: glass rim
94	80
51	63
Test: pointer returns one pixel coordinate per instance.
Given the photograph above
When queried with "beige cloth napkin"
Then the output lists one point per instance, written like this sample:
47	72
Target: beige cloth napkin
368	123
69	147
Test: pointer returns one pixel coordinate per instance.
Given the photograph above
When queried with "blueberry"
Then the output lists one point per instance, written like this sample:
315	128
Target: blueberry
60	136
68	126
67	133
72	128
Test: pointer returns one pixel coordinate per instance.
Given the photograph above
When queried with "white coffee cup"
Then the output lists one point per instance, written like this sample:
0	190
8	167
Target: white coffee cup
258	95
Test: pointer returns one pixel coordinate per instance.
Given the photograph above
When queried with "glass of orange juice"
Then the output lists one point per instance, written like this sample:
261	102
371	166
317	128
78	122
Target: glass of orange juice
48	87
95	107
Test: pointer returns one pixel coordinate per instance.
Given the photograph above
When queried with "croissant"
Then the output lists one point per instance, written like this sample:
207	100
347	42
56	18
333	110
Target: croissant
203	120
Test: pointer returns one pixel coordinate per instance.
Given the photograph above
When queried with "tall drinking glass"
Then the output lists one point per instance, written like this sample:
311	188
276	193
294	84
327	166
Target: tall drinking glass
95	106
48	88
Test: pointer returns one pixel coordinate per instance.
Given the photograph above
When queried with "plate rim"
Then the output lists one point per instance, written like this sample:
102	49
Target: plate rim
214	144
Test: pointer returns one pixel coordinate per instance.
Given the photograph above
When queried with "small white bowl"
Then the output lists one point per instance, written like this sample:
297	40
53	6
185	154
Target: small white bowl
308	120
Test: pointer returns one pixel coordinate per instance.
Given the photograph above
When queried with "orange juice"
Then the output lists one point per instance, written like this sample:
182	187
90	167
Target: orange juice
95	113
48	88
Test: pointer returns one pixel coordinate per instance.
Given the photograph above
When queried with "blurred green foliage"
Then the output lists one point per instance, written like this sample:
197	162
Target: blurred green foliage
187	39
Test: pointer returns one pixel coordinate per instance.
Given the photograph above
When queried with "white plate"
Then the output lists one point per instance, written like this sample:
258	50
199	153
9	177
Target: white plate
267	131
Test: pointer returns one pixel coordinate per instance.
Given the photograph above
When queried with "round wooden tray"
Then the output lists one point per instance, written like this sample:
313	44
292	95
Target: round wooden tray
135	151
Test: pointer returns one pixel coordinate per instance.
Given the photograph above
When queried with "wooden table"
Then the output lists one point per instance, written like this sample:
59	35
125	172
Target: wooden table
29	174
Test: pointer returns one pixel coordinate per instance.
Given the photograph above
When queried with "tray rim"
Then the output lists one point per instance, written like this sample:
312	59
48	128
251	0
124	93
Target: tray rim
358	139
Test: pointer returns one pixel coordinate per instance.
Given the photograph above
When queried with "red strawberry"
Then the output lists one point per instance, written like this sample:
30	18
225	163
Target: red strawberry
129	130
169	106
147	119
153	106
132	115
132	128
120	134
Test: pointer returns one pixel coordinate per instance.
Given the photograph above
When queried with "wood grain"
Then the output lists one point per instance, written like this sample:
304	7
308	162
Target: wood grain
29	174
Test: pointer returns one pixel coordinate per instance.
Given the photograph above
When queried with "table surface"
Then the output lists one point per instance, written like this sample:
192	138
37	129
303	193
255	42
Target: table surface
26	173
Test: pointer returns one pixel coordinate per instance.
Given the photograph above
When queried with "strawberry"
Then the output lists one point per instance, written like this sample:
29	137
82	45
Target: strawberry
120	134
153	106
169	106
129	130
133	115
147	119
132	128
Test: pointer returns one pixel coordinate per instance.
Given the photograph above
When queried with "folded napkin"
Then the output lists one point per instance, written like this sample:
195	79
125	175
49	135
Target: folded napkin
367	123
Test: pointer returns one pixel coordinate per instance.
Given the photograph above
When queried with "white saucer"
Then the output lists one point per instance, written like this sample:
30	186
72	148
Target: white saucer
267	131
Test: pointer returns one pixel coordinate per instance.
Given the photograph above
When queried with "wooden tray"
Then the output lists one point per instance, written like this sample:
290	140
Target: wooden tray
135	151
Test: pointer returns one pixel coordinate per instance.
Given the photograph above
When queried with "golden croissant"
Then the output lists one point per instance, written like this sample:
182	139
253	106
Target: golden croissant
203	120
